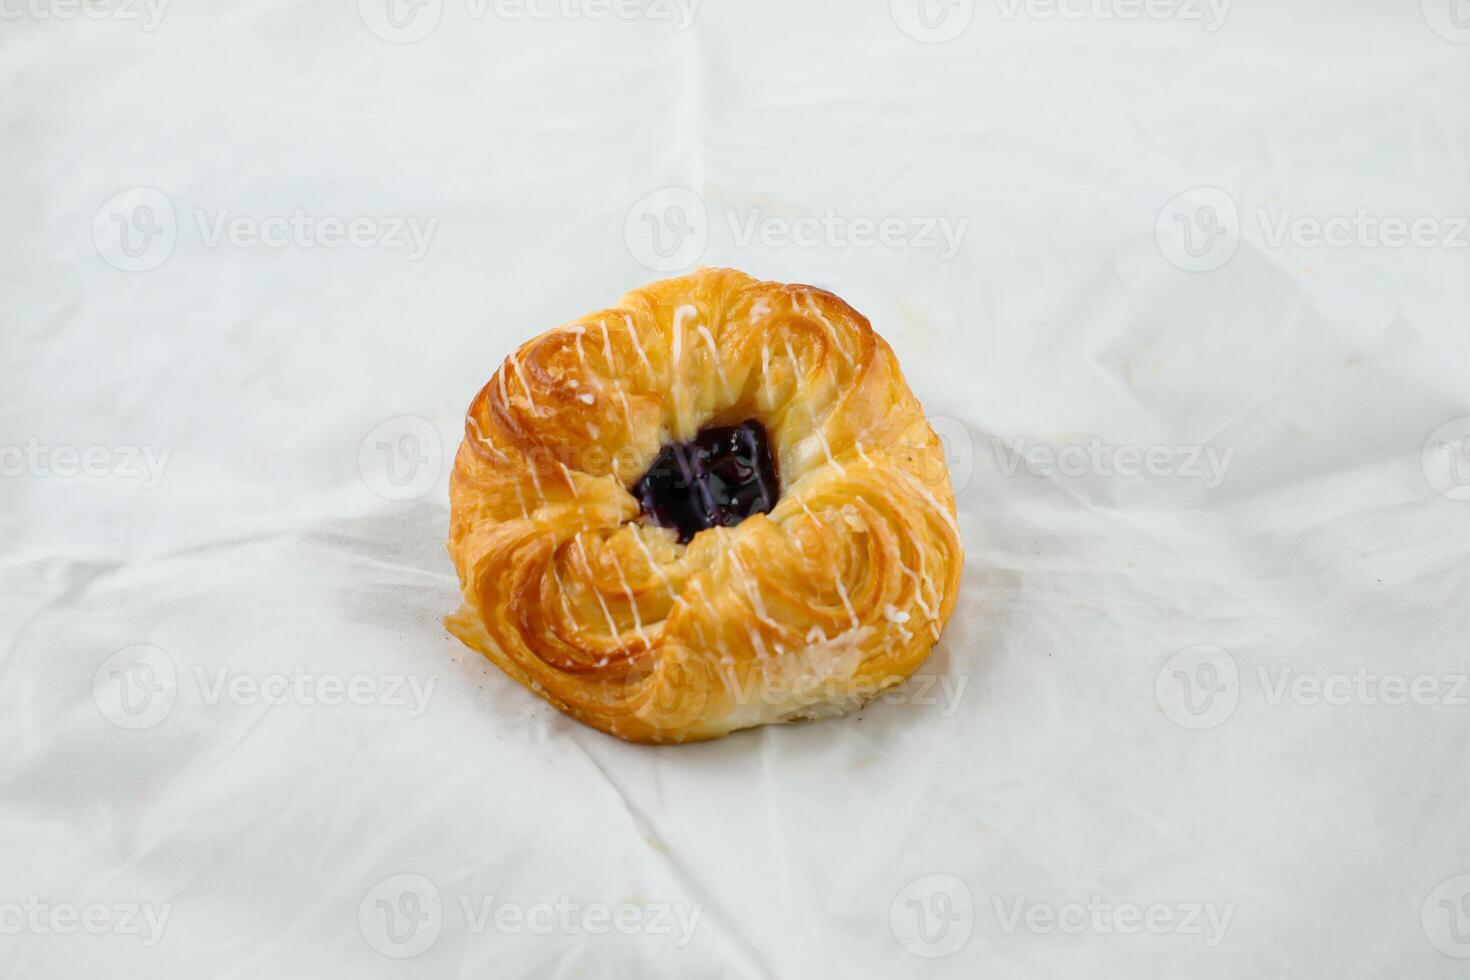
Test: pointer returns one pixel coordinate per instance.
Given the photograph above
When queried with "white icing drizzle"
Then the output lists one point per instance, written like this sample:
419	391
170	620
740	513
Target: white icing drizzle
676	370
657	568
766	399
536	482
791	356
586	365
638	344
836	572
826	449
474	423
939	508
612	625
921	579
632	599
521	376
832	331
752	591
714	352
570	482
561	590
607	350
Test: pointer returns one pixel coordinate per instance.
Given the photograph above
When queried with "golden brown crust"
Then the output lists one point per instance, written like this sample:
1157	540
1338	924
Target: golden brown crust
837	593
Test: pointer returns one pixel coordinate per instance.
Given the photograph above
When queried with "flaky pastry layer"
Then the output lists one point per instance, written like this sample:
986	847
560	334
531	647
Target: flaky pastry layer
836	594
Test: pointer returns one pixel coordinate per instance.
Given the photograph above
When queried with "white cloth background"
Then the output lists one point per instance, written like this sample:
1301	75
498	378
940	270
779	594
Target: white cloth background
1130	774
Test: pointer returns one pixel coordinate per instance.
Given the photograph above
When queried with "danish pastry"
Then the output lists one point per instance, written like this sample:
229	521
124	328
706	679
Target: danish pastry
714	506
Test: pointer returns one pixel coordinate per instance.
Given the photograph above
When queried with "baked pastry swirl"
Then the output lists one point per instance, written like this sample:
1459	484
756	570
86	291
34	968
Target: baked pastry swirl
600	448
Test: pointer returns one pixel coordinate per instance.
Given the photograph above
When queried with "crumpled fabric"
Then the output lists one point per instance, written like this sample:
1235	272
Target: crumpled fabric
1201	708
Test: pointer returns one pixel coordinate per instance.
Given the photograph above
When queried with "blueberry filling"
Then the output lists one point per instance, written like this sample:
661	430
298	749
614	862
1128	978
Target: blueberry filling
717	479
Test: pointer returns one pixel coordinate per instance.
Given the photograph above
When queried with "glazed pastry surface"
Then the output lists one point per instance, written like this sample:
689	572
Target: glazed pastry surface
836	593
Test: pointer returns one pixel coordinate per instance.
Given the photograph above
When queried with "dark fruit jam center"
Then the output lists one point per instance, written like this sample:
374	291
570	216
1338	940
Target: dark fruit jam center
717	479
